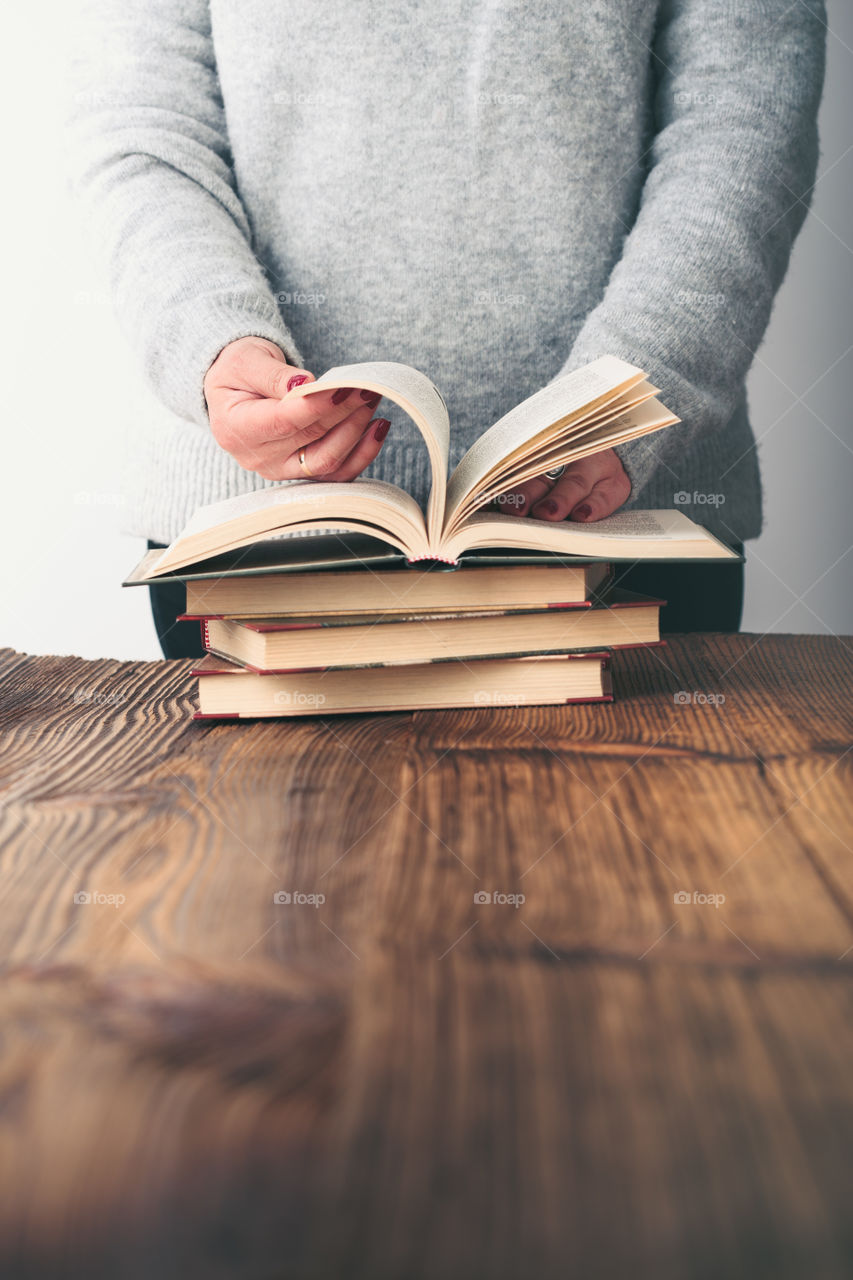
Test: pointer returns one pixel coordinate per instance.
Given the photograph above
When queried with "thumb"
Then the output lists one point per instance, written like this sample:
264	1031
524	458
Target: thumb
252	364
267	372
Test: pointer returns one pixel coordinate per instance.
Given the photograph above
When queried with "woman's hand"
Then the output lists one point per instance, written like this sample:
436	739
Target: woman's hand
589	489
252	418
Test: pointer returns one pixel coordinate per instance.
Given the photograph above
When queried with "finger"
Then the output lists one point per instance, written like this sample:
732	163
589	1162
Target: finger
307	418
518	500
364	452
566	494
249	425
273	464
605	497
326	455
279	459
258	366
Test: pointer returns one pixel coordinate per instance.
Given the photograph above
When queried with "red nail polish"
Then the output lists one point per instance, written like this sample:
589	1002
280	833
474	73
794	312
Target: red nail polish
549	506
371	397
380	431
297	380
582	513
340	395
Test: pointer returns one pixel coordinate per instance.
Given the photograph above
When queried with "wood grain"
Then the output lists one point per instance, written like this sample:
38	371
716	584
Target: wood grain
389	1078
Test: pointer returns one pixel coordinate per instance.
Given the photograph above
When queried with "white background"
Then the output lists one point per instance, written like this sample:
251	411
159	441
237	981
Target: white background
71	390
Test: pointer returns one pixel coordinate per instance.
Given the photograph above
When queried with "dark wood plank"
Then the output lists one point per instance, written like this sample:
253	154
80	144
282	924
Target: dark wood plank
601	1079
614	1120
806	681
481	1116
159	1123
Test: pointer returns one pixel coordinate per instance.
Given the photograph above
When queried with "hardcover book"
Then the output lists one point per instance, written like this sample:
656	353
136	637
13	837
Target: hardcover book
226	690
606	403
407	591
300	644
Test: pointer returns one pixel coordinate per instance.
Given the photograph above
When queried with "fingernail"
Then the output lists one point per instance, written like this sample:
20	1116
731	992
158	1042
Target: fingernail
341	394
297	380
380	431
371	397
549	506
582	513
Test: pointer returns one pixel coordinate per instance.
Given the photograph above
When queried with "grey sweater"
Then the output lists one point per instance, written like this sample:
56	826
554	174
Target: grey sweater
495	191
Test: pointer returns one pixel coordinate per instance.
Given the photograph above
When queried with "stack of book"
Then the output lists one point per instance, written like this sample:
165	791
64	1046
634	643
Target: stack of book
319	598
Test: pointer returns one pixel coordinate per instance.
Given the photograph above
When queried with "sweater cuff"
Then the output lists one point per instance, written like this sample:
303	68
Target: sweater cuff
640	462
201	328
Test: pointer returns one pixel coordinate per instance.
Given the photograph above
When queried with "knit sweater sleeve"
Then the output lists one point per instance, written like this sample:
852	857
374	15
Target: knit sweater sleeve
151	164
731	169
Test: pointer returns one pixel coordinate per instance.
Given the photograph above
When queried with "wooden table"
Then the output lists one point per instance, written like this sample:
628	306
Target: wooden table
398	1081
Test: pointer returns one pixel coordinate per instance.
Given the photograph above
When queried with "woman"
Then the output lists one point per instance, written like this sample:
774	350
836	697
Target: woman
496	193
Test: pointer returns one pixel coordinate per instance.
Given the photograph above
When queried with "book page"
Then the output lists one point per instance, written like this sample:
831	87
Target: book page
652	535
418	397
366	506
552	448
559	436
645	418
578	392
664	525
242	504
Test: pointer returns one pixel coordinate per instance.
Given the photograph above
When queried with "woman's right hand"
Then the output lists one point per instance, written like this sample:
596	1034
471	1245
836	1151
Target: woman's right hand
253	419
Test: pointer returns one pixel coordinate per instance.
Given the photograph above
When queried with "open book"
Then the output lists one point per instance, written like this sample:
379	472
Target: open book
604	404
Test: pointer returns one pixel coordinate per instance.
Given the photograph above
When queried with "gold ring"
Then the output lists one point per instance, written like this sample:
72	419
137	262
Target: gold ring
304	465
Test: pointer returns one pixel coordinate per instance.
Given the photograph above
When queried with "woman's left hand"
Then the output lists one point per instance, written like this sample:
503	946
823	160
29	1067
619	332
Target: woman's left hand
587	490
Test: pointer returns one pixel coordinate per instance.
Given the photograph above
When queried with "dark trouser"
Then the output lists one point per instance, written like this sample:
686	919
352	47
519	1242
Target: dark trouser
177	639
701	597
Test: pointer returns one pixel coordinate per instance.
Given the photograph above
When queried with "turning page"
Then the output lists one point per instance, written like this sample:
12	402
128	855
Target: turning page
556	404
417	396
